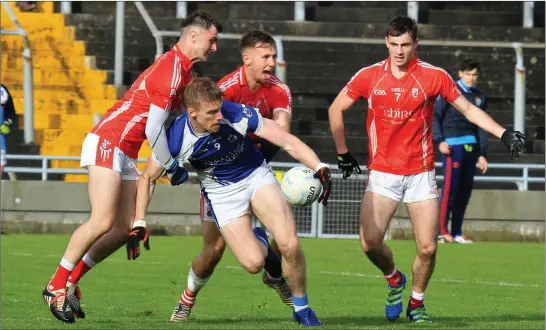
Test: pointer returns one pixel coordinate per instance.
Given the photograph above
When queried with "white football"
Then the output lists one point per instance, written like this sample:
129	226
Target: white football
299	187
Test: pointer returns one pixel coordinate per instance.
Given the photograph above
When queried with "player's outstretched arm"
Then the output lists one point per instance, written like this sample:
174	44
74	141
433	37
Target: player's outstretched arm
346	162
341	104
145	187
514	140
272	132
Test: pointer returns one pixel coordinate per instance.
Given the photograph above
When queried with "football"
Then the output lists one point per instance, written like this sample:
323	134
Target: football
299	187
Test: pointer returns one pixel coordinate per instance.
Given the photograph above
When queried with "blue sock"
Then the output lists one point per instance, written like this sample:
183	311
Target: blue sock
300	303
272	261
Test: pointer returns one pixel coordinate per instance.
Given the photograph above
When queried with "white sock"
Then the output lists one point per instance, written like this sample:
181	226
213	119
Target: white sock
392	274
196	283
88	261
417	296
67	264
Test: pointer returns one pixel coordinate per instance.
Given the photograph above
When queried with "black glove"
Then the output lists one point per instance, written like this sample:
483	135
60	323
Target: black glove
346	163
268	149
137	234
325	177
178	174
515	141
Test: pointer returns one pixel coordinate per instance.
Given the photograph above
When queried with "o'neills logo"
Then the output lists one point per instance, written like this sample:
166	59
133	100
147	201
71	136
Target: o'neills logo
397	113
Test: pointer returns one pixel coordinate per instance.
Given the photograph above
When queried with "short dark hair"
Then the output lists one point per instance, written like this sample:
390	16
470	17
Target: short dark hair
254	38
401	25
201	90
200	19
469	64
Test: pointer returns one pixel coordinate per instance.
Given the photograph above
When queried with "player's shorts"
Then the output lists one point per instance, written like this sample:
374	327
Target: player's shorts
408	188
225	203
100	152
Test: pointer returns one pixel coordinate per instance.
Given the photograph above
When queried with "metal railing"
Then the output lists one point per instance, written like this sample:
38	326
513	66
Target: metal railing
519	77
521	181
28	80
314	221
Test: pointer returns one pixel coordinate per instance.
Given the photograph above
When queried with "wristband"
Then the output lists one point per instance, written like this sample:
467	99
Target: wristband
139	223
321	165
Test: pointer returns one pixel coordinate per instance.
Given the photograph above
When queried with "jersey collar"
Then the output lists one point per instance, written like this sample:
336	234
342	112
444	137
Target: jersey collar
242	78
412	64
186	63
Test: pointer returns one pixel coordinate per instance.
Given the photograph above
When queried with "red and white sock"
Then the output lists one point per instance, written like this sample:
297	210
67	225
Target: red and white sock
416	299
187	298
81	269
61	275
394	278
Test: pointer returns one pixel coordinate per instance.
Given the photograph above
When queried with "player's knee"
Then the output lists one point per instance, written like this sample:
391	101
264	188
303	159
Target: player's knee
253	264
289	248
370	243
427	250
103	225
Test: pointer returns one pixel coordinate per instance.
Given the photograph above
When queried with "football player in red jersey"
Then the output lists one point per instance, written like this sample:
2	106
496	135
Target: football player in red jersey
252	84
401	92
110	152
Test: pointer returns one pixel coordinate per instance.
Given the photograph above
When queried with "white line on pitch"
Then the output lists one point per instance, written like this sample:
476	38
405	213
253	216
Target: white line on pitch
444	280
501	283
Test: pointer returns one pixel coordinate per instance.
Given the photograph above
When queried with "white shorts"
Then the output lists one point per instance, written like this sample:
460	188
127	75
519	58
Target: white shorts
408	188
3	159
100	152
225	203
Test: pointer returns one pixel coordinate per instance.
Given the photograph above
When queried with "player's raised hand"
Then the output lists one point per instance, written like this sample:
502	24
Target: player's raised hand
515	141
176	174
325	177
137	234
347	163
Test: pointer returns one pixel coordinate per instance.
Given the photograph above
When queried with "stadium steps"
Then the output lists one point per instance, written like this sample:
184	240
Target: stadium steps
315	73
68	89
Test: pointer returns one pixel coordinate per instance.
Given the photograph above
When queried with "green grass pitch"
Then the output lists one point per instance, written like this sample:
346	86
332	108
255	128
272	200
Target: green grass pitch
487	285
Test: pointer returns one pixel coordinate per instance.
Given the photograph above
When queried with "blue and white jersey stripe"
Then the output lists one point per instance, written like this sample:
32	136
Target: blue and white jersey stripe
221	158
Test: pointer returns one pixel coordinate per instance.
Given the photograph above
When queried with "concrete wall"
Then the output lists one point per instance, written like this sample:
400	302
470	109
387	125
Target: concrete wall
38	206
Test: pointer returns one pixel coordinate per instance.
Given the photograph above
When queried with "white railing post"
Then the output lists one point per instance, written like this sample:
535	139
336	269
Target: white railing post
519	90
66	7
413	10
299	11
28	94
280	69
153	29
96	118
120	26
528	14
181	9
44	169
320	220
525	179
28	80
314	219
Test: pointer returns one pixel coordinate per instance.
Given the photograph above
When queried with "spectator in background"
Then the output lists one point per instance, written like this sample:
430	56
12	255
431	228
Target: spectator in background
462	145
7	119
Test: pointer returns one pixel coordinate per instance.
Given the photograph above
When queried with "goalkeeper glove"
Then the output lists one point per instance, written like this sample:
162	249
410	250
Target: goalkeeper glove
178	175
325	177
347	163
515	141
137	234
5	128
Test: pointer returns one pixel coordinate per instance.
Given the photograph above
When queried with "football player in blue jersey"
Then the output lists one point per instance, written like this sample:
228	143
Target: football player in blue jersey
236	181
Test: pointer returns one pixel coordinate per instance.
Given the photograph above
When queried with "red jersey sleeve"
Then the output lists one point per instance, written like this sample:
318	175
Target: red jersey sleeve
447	87
283	102
228	89
166	83
358	86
